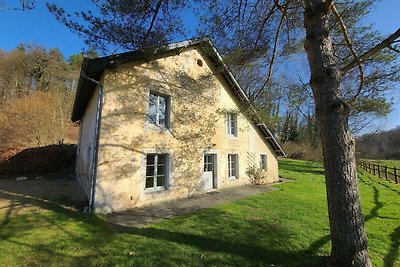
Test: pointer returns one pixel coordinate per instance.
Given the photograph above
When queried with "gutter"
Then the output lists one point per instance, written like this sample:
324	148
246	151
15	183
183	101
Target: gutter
95	154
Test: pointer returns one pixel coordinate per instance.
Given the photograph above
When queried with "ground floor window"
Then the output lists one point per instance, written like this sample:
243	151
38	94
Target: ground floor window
156	170
263	162
233	166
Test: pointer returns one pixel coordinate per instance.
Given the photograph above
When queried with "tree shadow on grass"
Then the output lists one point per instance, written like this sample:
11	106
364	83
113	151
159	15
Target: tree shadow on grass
299	167
48	232
255	243
378	205
393	254
54	230
36	218
376	181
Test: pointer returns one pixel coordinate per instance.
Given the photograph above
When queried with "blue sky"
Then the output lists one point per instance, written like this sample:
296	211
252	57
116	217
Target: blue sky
38	26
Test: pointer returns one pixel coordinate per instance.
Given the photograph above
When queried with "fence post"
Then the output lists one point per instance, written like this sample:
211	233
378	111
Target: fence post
369	167
379	171
395	175
386	175
373	167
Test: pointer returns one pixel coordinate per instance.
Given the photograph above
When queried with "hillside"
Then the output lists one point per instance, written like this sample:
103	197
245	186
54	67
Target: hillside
383	145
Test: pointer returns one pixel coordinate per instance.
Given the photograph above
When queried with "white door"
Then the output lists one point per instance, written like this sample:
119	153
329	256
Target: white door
208	171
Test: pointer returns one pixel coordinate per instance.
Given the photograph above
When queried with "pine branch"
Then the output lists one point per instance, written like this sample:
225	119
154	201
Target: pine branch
157	9
393	49
385	43
349	44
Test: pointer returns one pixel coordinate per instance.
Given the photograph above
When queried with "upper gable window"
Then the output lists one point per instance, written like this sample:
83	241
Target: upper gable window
232	124
158	113
263	162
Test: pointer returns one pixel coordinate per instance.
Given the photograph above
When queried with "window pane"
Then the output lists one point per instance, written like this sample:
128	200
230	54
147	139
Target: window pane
161	120
162	111
162	104
229	123
208	167
234	162
161	180
264	162
150	159
161	159
232	124
149	182
150	170
232	165
152	115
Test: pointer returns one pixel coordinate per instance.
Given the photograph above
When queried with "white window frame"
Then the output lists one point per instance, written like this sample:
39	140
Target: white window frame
167	100
263	165
233	166
166	172
232	119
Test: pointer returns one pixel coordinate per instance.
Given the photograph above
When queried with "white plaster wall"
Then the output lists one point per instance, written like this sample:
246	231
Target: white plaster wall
86	142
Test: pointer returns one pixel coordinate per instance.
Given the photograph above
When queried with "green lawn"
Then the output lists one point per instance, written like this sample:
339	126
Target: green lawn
288	227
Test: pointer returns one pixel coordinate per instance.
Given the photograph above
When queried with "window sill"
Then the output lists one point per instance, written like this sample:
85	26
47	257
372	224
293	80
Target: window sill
233	178
235	137
155	190
155	128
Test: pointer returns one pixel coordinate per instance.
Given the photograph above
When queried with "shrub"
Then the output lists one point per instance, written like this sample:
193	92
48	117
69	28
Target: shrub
257	175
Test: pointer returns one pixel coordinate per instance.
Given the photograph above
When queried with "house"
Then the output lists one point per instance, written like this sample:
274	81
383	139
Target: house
165	123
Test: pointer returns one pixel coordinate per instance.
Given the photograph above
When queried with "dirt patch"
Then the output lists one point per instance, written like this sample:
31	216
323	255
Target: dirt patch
47	159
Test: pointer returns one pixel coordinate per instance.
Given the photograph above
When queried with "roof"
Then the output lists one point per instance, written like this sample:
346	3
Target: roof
92	69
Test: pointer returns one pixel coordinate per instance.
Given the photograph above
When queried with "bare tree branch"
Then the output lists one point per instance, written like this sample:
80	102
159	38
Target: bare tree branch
273	54
266	19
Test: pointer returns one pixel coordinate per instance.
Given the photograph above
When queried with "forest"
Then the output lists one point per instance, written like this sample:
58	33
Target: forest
37	88
381	145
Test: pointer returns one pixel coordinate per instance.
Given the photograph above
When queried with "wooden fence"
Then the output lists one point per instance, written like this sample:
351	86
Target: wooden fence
386	172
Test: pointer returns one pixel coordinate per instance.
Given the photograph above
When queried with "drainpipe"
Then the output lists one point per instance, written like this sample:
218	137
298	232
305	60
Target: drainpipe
96	143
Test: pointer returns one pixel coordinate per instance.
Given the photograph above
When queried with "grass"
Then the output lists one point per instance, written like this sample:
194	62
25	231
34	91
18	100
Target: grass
288	227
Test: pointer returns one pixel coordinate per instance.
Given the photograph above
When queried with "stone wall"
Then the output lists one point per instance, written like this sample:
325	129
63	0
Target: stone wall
200	100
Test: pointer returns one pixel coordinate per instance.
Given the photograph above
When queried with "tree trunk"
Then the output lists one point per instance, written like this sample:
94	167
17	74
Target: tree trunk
349	241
